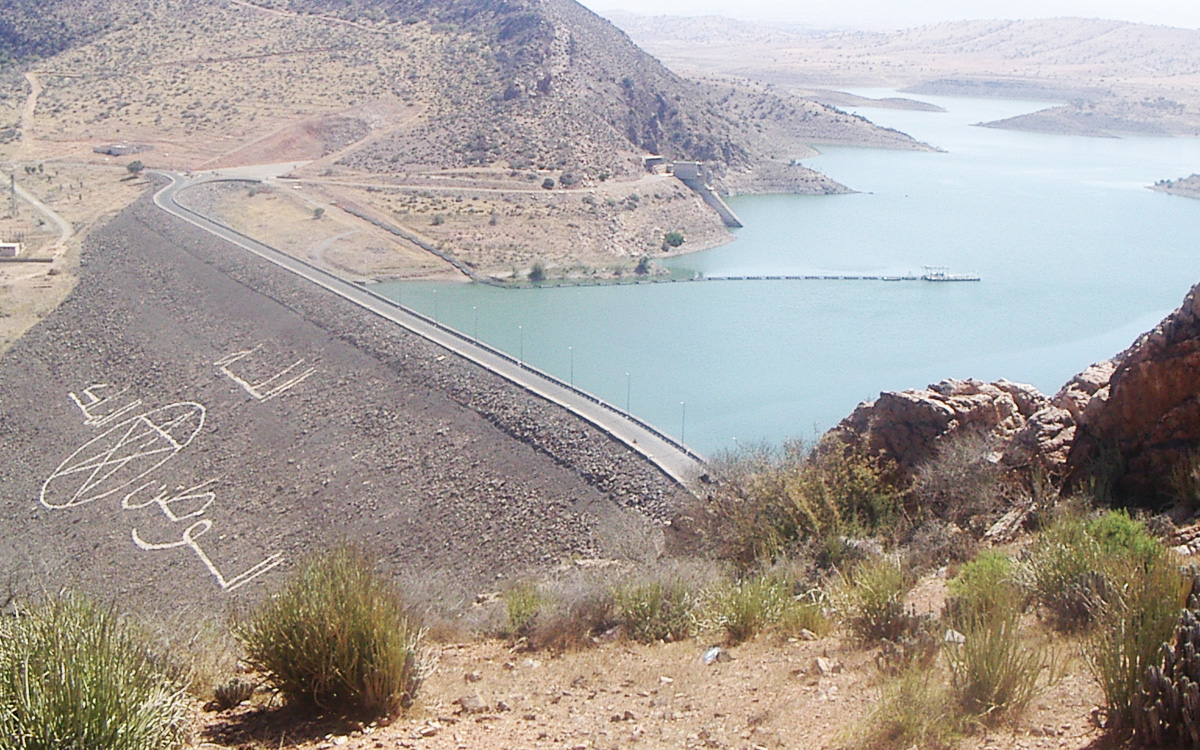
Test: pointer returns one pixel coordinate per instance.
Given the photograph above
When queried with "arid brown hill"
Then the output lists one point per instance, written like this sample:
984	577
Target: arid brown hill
403	85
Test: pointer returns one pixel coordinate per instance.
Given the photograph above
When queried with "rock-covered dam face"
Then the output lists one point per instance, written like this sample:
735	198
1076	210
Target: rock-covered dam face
192	420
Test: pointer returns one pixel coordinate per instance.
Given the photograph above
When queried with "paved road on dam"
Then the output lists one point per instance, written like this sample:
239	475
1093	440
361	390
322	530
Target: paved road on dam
675	460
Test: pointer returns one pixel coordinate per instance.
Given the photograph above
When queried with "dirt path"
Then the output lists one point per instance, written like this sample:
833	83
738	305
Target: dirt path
316	253
35	90
65	230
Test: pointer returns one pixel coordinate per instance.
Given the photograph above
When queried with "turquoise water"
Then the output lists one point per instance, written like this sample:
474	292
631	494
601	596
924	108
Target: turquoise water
1077	259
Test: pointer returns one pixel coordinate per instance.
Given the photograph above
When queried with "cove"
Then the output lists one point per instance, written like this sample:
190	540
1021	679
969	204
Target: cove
1077	258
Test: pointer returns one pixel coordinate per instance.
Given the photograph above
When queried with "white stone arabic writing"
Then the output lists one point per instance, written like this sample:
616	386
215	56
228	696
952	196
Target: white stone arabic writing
129	452
267	389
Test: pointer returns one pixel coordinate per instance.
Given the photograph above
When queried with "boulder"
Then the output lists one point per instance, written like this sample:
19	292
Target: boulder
1145	420
907	427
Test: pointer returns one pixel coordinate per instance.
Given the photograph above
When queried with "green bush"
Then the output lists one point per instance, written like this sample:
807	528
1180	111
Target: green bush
1080	565
1109	575
1067	574
537	274
656	611
521	604
986	585
336	639
874	601
1139	617
74	676
748	607
993	671
673	239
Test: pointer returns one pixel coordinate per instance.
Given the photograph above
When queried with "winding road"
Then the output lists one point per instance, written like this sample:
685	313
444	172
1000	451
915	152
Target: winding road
674	459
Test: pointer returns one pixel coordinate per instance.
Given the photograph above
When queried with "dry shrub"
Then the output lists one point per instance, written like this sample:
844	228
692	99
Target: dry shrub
961	483
935	543
745	608
769	501
995	672
573	610
872	598
914	710
653	610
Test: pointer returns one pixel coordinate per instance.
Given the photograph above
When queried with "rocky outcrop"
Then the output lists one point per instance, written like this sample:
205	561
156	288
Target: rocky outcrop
907	427
1135	418
1044	443
1146	418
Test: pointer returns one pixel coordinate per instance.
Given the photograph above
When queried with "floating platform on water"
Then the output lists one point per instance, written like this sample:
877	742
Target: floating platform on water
936	274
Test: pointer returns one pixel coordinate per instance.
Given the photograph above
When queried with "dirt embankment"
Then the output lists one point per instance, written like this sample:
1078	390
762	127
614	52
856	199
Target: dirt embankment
191	421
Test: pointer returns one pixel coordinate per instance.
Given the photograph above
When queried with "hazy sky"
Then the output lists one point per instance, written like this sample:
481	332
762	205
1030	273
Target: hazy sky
899	13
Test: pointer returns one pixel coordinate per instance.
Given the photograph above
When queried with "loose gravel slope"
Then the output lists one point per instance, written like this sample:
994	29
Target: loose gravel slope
192	420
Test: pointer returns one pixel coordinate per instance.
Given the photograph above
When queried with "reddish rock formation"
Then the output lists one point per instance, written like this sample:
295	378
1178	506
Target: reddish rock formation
908	426
1045	440
1143	407
1148	413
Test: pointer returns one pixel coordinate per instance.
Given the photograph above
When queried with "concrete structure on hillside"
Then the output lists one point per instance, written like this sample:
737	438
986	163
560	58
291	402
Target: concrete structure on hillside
11	249
698	178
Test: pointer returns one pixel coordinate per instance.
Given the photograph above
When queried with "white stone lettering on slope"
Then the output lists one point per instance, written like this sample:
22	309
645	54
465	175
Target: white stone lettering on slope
198	529
267	389
94	407
128	453
192	497
124	454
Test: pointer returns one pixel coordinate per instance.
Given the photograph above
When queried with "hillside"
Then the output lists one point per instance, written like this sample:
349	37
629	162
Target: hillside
1113	77
395	86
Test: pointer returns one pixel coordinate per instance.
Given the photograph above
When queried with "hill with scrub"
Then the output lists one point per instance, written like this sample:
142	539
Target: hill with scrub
386	87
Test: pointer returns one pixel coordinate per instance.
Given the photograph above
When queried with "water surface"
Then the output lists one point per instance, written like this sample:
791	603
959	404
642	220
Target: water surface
1077	258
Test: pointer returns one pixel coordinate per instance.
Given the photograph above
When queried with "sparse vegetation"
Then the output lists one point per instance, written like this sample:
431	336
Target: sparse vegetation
873	600
745	608
336	639
1145	595
537	274
914	710
673	239
987	585
773	500
521	604
995	672
657	610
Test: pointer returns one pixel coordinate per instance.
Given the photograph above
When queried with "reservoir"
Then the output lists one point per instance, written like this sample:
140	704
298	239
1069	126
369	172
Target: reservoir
1077	258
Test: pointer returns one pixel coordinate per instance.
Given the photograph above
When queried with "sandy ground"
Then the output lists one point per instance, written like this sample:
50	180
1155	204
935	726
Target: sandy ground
84	196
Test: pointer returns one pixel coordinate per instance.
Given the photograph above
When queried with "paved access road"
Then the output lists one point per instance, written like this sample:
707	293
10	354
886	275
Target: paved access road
673	459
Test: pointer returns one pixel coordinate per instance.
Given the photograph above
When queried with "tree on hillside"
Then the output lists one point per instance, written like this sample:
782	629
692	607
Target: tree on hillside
135	167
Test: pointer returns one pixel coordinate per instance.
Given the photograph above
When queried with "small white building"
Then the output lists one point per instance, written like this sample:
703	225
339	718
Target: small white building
11	249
